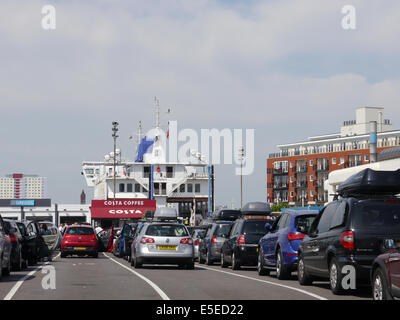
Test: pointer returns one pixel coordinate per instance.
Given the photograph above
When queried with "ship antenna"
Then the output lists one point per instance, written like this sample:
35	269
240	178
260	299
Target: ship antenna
140	131
157	111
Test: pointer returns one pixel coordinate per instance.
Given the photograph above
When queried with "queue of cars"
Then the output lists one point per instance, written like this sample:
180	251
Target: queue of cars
22	244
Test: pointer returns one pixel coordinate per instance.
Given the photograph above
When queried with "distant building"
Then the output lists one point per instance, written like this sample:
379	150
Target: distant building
296	174
22	186
83	197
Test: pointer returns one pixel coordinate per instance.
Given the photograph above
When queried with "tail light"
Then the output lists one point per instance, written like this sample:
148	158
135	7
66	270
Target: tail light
214	239
241	240
12	238
145	240
347	240
196	242
295	236
188	241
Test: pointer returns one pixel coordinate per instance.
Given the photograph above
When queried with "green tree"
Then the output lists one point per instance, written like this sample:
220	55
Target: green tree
279	206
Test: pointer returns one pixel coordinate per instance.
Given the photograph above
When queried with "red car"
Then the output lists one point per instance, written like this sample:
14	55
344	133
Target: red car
385	273
80	240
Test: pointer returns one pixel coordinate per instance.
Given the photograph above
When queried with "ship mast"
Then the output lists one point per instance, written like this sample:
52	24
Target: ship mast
157	111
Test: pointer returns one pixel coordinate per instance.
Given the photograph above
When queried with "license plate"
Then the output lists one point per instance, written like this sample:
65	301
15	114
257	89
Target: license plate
166	247
80	248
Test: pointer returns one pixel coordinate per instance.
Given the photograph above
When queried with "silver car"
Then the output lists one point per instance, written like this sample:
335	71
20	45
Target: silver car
198	235
162	243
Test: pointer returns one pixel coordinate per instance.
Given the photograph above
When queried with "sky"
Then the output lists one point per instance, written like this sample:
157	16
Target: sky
286	69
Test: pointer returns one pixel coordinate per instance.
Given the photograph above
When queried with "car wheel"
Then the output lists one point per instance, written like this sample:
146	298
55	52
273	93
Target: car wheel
282	271
235	263
260	265
136	263
129	259
380	290
95	255
18	265
209	262
63	255
1	267
335	277
201	260
224	264
190	266
302	275
7	271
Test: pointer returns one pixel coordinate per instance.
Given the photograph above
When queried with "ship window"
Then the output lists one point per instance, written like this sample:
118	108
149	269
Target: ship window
89	171
121	187
146	172
174	188
129	187
182	188
170	172
197	187
163	189
190	187
137	187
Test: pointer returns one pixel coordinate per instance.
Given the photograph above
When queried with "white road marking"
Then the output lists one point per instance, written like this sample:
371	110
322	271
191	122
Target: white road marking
151	283
269	282
19	283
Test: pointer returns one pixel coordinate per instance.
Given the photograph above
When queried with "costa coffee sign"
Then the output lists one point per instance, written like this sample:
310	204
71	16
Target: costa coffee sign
121	208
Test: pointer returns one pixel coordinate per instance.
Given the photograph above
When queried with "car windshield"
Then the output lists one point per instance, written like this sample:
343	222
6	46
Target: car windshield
255	228
77	231
304	221
382	216
166	230
222	229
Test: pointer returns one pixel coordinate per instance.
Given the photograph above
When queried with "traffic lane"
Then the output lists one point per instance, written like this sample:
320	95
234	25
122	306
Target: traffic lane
202	284
84	278
320	288
8	282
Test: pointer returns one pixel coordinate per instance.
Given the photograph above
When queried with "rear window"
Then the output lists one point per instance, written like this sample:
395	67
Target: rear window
255	227
222	229
305	221
80	231
11	228
163	230
21	228
377	215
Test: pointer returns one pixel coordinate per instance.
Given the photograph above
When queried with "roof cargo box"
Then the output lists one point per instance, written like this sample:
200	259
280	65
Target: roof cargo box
256	209
371	182
227	214
165	213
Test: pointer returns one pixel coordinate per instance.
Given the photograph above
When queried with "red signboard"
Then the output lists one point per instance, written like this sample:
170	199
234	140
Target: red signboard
121	208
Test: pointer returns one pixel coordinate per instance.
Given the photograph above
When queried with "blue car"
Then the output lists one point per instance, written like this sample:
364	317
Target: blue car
277	250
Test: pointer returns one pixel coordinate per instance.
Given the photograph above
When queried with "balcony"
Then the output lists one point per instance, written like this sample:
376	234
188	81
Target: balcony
280	171
301	184
282	185
321	168
301	169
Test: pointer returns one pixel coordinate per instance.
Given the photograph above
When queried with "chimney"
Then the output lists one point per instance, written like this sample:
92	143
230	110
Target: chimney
83	197
373	140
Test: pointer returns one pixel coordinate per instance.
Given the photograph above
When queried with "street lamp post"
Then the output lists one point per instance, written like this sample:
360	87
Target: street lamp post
241	157
115	136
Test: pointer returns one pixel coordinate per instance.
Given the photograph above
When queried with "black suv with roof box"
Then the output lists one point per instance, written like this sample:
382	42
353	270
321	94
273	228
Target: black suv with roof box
352	229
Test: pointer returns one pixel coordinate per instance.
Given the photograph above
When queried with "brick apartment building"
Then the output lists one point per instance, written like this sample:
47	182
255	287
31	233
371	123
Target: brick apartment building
296	174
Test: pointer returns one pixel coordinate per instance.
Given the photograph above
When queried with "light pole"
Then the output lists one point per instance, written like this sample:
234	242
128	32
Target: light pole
241	157
115	136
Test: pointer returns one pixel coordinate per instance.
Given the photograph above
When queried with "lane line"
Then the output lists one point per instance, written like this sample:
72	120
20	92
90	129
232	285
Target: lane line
268	282
161	293
19	283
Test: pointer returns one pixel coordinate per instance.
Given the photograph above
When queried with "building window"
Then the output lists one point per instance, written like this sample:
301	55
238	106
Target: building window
341	160
311	177
366	158
190	188
291	194
182	188
129	187
121	187
197	188
291	179
311	163
312	193
333	160
137	187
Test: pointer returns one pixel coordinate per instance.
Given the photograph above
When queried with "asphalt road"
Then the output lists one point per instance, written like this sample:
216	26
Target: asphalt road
108	277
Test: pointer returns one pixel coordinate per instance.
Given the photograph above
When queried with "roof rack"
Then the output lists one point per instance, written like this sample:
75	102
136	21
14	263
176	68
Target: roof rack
371	183
256	208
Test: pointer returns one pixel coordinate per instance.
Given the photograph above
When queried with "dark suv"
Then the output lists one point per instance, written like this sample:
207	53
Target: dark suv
210	246
350	231
241	246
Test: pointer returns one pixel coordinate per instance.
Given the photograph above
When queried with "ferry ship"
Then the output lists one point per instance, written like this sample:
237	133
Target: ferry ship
128	191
